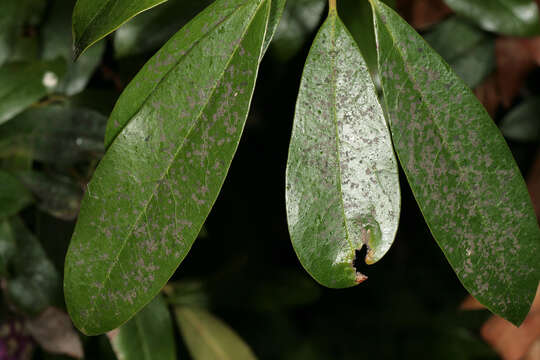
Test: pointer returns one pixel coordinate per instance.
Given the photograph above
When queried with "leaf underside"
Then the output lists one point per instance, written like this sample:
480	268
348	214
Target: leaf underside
461	171
176	128
342	186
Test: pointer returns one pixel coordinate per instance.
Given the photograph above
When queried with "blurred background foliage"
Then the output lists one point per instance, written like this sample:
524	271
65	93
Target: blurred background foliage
242	279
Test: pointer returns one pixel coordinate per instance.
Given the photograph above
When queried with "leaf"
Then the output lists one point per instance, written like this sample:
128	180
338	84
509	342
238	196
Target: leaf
461	171
276	12
54	332
58	196
151	29
57	42
468	50
95	19
13	195
209	338
149	335
342	178
172	148
21	84
508	17
54	134
298	21
10	20
523	122
7	247
34	283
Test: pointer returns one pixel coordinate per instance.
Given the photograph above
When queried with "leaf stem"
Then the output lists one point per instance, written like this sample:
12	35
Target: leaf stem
332	6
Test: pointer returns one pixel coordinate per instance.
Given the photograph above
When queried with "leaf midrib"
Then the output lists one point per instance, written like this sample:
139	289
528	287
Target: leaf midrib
437	127
187	52
117	257
336	126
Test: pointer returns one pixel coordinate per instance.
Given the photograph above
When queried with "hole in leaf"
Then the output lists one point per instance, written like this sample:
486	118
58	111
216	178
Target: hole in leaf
359	264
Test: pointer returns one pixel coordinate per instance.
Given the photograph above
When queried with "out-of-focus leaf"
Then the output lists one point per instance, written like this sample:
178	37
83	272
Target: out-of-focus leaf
54	332
57	42
13	195
187	292
95	19
147	336
21	84
54	134
523	122
170	149
298	21
342	186
151	29
7	247
422	14
9	25
209	338
461	171
57	196
468	50
34	283
508	17
358	18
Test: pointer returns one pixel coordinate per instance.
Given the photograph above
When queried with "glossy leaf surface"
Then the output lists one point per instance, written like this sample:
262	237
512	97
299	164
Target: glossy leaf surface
467	49
147	336
157	182
342	181
461	171
509	17
209	338
13	195
21	84
523	122
95	19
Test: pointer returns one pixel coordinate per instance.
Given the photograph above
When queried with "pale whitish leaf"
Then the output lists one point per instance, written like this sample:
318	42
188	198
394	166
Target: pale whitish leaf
342	178
54	332
461	171
209	338
170	147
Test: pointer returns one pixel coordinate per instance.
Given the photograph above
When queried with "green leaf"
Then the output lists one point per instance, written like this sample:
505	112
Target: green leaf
276	12
172	148
57	196
508	17
342	177
13	195
57	42
95	19
54	134
7	247
523	122
468	50
10	21
22	84
151	29
209	338
461	171
34	283
148	336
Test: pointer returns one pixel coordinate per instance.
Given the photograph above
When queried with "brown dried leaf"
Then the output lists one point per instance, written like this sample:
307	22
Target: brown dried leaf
488	93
